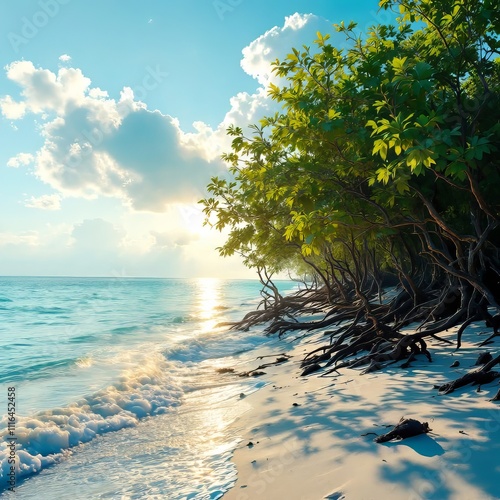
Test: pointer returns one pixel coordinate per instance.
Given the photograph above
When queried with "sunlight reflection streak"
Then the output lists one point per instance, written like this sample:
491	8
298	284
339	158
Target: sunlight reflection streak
208	301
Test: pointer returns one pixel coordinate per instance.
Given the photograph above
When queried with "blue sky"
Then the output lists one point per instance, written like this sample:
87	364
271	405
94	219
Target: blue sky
113	119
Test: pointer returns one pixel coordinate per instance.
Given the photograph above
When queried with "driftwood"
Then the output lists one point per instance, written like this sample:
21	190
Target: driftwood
311	368
406	428
479	376
496	397
257	372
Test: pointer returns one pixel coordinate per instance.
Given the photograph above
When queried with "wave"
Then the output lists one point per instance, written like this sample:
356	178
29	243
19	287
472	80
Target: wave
84	362
81	339
16	345
46	437
179	320
48	310
192	346
36	370
125	329
61	312
215	344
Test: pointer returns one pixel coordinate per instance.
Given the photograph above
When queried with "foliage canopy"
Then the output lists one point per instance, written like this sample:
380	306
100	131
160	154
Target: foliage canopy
382	163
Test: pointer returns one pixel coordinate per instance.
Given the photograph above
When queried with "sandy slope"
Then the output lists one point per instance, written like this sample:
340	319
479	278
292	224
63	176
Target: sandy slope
317	449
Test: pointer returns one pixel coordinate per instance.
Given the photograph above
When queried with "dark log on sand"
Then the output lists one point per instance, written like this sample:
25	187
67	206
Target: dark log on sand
478	376
407	427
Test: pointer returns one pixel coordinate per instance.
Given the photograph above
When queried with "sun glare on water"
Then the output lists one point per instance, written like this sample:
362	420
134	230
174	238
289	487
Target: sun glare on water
209	300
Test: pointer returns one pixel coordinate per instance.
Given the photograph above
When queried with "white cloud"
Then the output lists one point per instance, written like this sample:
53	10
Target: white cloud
97	233
98	146
11	109
44	202
21	159
277	43
95	145
98	247
248	108
64	58
43	90
173	238
297	21
24	238
98	93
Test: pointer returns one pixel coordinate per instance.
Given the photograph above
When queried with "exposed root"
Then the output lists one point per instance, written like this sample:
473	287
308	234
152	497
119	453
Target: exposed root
365	332
479	376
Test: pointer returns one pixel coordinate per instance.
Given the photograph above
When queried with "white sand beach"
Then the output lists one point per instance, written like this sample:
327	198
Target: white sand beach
309	438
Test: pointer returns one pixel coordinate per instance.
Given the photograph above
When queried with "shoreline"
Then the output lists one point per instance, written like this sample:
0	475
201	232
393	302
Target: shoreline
312	437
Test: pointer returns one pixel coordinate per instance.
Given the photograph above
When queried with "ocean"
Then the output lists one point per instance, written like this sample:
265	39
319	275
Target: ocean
112	389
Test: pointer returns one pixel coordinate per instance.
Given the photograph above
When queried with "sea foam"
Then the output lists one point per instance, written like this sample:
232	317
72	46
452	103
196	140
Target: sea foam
44	438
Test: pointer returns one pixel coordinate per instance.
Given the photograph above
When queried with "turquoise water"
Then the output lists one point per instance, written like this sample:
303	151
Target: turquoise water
116	389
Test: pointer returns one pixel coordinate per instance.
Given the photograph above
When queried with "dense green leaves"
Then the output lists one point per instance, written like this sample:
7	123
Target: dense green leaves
386	148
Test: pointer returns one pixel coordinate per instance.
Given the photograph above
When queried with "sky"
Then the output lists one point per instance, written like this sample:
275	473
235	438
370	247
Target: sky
114	116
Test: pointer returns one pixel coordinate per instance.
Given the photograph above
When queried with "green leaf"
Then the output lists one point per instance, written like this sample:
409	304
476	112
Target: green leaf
380	147
423	70
383	175
398	63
